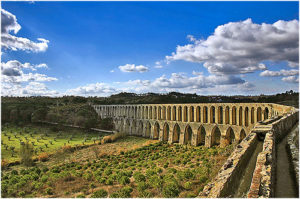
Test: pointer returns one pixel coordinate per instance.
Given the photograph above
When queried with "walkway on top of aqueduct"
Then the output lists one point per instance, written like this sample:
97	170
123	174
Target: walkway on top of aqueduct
196	124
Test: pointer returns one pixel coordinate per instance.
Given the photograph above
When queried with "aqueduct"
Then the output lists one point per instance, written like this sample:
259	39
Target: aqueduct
196	124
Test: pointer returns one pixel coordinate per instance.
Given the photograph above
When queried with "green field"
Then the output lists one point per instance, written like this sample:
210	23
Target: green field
46	139
153	170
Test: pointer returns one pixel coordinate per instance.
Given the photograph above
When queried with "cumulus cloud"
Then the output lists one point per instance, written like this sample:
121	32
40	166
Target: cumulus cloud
31	89
97	89
9	22
240	47
18	83
10	42
133	68
268	73
291	79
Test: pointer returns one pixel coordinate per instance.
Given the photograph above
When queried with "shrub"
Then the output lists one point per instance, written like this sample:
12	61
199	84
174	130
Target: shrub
203	179
109	181
106	139
43	157
190	195
139	177
125	192
88	176
67	148
142	186
44	178
107	172
188	174
155	182
101	193
188	185
49	191
80	196
14	172
22	194
114	195
171	190
124	180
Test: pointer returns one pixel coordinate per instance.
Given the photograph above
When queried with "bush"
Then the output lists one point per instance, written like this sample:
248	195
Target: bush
188	185
49	191
22	194
139	177
101	193
124	180
125	192
171	190
142	186
43	157
80	196
44	178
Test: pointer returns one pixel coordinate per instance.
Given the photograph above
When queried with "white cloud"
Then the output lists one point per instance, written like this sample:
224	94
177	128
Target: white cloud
291	79
9	42
14	67
268	73
9	22
31	89
133	68
240	47
112	71
158	65
97	89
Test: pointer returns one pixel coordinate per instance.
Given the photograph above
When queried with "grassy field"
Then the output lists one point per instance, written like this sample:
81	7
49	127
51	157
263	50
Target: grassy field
130	167
45	139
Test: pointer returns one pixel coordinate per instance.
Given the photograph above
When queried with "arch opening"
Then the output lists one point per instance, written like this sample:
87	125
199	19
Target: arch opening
201	134
156	131
165	136
216	136
176	133
188	135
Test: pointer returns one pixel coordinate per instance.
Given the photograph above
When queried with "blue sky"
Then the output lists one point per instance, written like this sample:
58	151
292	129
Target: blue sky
102	48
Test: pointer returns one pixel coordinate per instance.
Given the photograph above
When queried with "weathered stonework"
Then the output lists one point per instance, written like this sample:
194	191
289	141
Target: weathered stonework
293	151
208	124
264	174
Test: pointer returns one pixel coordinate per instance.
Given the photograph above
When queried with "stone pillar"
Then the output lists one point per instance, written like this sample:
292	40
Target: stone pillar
208	141
170	138
181	138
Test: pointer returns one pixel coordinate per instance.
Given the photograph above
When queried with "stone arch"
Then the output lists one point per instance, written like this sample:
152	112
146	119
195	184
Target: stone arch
266	113
133	127
258	112
188	133
212	114
164	110
191	114
156	131
240	116
205	114
150	112
127	127
242	135
159	113
252	115
185	114
169	113
220	115
166	131
148	130
179	113
234	115
246	117
143	113
140	128
201	135
229	137
216	136
146	113
174	113
227	118
176	133
198	114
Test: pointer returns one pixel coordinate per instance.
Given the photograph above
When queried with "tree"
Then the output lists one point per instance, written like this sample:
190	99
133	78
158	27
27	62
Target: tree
26	153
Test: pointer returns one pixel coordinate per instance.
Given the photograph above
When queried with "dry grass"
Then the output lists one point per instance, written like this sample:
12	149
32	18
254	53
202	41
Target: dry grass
43	157
112	138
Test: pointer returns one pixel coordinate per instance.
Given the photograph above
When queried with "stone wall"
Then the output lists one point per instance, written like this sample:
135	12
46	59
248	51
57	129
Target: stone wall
228	177
263	179
293	151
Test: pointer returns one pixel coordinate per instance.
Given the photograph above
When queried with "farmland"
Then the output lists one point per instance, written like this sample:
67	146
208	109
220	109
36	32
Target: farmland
145	169
45	139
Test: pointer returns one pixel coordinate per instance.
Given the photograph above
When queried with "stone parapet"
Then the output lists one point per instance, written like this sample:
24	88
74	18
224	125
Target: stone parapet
228	177
293	151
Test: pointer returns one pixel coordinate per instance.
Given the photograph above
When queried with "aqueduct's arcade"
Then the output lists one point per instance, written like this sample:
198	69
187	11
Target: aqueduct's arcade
197	124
